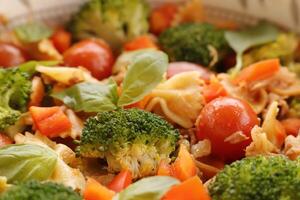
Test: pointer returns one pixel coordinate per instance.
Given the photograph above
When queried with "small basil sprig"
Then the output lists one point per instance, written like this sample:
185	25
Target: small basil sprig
145	71
240	41
151	188
21	162
32	32
90	97
30	66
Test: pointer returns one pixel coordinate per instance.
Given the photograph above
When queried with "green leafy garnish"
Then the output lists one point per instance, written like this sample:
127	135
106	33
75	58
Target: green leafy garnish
144	73
151	188
32	32
90	97
29	67
240	41
21	162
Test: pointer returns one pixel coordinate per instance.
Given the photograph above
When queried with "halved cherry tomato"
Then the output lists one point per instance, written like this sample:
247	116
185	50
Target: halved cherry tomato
96	191
92	54
291	126
50	121
61	40
179	67
220	119
121	181
10	55
4	140
161	17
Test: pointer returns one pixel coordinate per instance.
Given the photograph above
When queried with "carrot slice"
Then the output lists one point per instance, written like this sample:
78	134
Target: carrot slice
258	71
191	189
213	90
96	191
291	126
121	181
50	121
184	166
142	42
164	169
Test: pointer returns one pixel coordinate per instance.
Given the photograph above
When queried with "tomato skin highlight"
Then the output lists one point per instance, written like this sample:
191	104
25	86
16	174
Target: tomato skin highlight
10	55
221	118
92	54
121	181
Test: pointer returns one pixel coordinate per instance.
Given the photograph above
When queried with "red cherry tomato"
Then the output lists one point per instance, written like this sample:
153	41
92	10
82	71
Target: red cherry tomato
10	55
4	140
93	54
179	67
121	181
221	118
61	40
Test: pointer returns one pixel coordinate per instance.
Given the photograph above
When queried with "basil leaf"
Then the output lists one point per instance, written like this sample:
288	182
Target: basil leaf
151	188
21	162
240	41
29	67
144	73
90	97
32	32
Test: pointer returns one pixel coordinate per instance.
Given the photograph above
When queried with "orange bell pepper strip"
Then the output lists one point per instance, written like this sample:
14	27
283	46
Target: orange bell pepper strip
121	181
96	191
141	42
258	71
161	18
50	121
291	126
191	189
164	169
213	90
184	166
61	40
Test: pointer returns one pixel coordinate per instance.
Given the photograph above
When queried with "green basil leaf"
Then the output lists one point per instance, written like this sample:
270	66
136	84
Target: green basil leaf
29	67
32	32
90	97
240	41
151	188
145	72
21	162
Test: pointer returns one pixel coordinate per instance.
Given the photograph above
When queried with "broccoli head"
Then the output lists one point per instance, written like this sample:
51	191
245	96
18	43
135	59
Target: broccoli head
199	43
15	88
259	178
115	21
34	190
129	139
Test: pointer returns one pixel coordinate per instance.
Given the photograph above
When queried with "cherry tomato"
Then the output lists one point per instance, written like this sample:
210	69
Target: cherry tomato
93	54
220	119
179	67
10	55
4	140
61	40
121	181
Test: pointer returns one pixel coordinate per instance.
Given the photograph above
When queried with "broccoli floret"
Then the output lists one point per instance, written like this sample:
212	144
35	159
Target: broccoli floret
115	21
15	88
199	43
129	139
284	48
259	178
34	190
